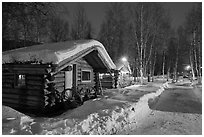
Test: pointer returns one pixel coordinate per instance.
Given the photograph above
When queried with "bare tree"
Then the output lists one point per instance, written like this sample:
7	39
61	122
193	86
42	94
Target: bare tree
148	21
81	27
112	33
193	28
25	21
59	29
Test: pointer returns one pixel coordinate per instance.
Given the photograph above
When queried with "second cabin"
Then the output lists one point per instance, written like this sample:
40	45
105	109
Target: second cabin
42	77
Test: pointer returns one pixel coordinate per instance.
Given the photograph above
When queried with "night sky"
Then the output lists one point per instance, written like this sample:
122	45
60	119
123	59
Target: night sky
96	12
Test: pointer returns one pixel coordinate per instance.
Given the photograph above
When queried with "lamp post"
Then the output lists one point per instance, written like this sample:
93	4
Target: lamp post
188	71
125	64
124	61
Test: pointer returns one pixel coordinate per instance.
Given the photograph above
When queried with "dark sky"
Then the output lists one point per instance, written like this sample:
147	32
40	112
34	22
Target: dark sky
96	12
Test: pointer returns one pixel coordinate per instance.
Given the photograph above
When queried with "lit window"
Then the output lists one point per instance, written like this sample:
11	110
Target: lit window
20	80
86	76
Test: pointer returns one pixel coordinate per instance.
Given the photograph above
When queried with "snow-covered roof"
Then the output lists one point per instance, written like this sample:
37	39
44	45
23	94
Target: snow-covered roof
123	66
56	52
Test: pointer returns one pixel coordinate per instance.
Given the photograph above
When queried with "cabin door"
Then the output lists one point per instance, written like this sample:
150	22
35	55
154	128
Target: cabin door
68	78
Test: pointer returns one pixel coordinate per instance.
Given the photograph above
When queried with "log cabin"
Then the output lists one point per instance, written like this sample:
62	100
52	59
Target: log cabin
41	78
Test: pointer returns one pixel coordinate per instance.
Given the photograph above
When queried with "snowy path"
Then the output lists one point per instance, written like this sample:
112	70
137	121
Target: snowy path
178	111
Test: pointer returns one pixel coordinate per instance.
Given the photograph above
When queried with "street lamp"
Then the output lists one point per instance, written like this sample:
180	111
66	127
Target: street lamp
126	66
124	59
188	67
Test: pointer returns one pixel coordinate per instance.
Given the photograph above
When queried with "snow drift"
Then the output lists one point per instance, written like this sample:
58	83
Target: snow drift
107	115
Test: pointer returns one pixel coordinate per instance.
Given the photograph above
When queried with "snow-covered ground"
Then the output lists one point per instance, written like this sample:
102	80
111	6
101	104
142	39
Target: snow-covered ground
117	110
131	110
177	111
168	123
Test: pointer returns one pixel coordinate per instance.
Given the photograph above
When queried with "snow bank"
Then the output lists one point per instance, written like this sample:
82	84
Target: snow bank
96	117
14	122
124	115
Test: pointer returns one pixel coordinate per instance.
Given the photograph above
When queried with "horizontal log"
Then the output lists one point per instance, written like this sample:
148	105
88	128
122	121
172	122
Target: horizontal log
108	87
59	75
85	85
8	80
106	84
55	81
29	69
31	92
22	106
28	65
7	74
60	89
108	78
59	79
30	72
37	83
34	87
23	97
34	77
7	85
107	81
25	103
62	84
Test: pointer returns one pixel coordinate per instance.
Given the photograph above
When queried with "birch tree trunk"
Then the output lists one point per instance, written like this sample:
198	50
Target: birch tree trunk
196	63
153	66
191	63
168	73
199	62
163	66
150	69
141	46
195	53
176	64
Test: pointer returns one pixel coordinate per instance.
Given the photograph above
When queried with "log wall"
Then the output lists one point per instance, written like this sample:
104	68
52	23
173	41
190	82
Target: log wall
107	82
83	65
23	98
60	81
29	97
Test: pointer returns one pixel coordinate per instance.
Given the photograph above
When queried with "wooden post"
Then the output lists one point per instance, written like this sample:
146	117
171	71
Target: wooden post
116	74
74	78
97	84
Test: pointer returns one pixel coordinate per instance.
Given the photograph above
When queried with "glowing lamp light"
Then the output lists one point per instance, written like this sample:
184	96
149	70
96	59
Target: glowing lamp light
124	59
188	67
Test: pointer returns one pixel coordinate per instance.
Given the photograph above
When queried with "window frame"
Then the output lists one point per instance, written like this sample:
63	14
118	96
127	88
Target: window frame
16	84
85	70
